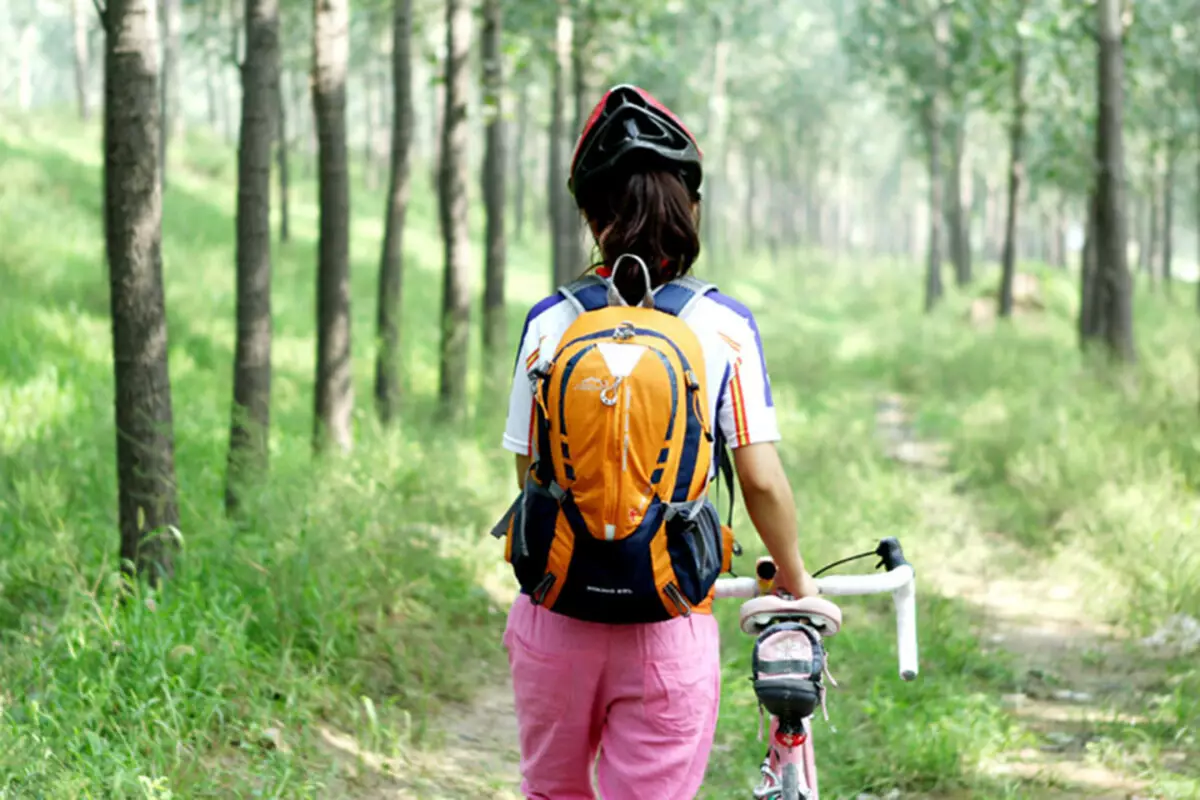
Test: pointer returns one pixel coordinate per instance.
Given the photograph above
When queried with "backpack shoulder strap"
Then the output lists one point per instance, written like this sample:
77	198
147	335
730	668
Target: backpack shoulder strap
680	296
586	294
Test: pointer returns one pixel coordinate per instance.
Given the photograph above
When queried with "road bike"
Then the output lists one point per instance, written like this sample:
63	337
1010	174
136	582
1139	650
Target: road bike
789	662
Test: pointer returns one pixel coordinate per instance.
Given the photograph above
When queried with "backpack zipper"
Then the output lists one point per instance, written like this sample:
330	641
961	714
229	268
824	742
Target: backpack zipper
681	603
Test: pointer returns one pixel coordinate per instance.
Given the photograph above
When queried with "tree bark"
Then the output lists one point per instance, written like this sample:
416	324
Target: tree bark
335	385
452	196
80	14
250	428
933	264
957	219
148	511
391	261
281	154
1016	172
581	30
494	322
556	194
1112	266
1091	302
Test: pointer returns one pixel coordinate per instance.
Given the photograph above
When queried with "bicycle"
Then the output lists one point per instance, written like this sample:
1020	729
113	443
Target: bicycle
789	770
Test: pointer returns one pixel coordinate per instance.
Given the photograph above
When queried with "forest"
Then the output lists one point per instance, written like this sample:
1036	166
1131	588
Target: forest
263	269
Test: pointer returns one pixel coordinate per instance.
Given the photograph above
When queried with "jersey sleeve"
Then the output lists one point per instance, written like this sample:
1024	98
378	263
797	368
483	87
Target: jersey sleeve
747	411
518	431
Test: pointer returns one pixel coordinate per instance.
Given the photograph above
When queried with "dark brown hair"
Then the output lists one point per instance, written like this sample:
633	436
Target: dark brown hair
649	214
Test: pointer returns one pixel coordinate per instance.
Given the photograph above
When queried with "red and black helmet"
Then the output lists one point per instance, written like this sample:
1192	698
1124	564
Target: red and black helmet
628	127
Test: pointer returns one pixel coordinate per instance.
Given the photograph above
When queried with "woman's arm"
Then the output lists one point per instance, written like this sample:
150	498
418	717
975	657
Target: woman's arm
772	509
523	463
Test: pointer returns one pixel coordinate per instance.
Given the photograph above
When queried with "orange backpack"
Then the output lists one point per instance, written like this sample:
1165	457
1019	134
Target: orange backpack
614	524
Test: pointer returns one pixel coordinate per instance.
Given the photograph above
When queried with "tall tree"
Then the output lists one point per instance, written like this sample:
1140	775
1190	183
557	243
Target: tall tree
147	505
583	25
494	322
519	193
1114	286
335	385
281	154
452	196
80	11
957	215
1016	166
557	200
1168	189
252	360
391	262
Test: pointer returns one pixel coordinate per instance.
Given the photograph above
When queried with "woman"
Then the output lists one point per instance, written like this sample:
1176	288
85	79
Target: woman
643	697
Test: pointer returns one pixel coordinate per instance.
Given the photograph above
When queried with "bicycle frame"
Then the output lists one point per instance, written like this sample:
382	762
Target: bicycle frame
789	771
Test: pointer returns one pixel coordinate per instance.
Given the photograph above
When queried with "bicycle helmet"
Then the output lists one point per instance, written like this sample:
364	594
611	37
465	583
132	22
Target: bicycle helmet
629	126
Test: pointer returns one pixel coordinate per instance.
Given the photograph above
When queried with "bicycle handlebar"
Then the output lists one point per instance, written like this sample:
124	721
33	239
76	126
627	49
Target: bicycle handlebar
899	580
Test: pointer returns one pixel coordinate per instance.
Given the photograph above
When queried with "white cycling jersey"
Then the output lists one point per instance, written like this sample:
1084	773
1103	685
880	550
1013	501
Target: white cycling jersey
739	389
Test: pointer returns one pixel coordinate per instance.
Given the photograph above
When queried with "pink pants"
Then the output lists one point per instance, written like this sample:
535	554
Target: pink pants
644	697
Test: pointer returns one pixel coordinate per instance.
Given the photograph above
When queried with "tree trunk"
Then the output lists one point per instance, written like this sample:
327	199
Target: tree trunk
933	273
1016	172
494	322
993	222
281	153
572	221
370	117
211	66
1168	200
1152	240
80	11
452	196
1060	232
519	158
148	510
1112	267
556	193
169	85
250	427
1091	302
335	384
1141	224
957	219
715	179
391	262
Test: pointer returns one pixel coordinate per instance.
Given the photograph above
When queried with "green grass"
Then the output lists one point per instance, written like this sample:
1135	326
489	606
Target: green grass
351	596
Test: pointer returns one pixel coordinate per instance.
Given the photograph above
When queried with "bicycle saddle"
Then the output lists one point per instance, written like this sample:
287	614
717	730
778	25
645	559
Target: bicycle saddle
760	612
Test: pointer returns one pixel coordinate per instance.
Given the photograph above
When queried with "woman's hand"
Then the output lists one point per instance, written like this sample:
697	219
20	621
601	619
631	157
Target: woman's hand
796	582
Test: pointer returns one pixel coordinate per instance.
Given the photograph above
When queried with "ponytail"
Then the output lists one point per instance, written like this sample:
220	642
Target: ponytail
650	215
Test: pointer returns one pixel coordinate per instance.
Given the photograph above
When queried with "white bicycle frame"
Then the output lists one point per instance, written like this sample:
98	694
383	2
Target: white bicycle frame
900	582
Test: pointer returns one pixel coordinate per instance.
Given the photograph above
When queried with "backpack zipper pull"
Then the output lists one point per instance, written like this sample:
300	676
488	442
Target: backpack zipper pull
542	589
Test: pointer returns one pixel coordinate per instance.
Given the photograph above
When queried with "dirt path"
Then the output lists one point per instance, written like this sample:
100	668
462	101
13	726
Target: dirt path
1076	673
